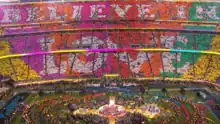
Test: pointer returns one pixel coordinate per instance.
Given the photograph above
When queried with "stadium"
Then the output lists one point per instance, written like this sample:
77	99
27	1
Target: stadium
109	61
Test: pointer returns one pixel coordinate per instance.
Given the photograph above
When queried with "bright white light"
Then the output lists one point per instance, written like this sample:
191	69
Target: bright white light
9	0
112	101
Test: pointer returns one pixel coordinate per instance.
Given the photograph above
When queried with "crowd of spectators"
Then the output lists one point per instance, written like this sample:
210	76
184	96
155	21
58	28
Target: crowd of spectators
91	119
95	104
132	101
68	85
139	100
5	94
132	118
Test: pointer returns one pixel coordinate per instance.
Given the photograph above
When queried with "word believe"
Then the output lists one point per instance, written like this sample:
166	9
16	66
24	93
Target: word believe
106	10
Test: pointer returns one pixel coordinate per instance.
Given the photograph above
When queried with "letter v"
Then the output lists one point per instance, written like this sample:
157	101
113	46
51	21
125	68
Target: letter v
120	11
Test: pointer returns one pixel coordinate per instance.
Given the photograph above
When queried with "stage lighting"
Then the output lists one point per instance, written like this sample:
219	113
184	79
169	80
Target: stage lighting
9	1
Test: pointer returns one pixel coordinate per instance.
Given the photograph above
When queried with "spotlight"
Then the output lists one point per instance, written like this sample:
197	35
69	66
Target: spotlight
6	1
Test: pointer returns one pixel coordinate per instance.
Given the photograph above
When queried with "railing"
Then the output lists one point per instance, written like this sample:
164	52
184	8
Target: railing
108	50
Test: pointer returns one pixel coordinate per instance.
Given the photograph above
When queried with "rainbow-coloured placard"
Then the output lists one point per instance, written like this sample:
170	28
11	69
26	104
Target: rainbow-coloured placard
108	50
83	10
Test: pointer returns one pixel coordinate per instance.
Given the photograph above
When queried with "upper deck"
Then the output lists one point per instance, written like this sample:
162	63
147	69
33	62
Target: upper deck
40	40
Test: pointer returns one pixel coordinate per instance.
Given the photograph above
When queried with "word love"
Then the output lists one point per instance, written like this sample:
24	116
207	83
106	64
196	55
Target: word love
106	10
